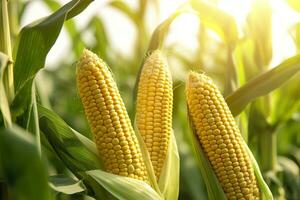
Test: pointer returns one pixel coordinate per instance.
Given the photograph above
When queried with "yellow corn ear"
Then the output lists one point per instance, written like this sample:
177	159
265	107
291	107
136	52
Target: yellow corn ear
115	138
154	108
220	138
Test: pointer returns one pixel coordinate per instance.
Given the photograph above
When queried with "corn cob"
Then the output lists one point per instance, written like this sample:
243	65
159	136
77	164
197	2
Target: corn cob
115	139
154	108
220	138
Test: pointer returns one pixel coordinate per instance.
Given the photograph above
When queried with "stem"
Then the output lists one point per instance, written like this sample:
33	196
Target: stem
13	19
268	150
36	120
5	47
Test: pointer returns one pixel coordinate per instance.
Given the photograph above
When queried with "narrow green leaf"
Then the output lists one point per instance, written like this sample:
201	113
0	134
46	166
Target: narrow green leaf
20	165
291	174
100	33
147	160
217	20
263	84
266	193
169	177
123	7
89	145
33	121
124	188
285	102
39	37
66	185
73	32
259	29
66	144
159	35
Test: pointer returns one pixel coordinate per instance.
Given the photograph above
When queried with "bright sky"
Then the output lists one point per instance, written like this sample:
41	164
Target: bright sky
122	32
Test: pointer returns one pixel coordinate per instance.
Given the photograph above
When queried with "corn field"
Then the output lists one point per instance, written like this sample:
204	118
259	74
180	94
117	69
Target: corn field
149	100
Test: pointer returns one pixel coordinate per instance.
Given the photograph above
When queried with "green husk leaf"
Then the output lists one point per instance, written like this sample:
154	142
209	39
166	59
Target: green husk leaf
21	167
89	145
263	84
264	189
159	35
66	143
147	161
4	106
213	186
124	188
169	177
66	185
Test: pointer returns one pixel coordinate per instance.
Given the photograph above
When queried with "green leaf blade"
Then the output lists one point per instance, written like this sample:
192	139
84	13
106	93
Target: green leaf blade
124	188
263	84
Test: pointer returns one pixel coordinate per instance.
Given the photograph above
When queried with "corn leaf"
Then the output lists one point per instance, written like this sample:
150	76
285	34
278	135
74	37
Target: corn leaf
266	193
77	152
285	102
169	178
159	35
66	144
100	34
123	7
39	37
124	188
66	185
33	120
259	28
99	192
291	174
263	84
20	165
73	32
4	106
217	20
147	160
214	188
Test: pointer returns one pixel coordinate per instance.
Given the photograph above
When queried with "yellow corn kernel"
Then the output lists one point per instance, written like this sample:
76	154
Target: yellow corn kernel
114	136
154	108
220	138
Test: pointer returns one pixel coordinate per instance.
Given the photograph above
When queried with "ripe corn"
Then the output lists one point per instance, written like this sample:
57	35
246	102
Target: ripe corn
154	108
115	139
220	138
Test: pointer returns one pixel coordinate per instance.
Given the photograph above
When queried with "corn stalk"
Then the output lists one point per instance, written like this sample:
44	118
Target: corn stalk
5	47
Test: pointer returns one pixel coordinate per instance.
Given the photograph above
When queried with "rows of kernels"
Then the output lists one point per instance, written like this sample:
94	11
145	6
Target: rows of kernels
114	136
154	108
220	138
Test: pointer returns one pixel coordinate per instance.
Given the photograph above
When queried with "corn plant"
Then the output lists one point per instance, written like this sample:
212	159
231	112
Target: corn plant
155	126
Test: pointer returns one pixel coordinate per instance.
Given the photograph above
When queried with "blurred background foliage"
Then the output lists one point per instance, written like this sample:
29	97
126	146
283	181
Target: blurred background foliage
231	49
